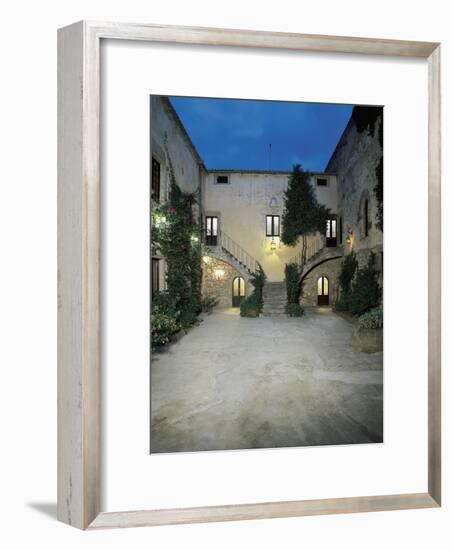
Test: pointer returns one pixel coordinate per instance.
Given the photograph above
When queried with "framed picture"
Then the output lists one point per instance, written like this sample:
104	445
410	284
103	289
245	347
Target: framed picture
249	275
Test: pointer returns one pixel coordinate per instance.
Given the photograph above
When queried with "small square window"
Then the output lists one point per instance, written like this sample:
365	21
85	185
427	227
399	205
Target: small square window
322	182
222	179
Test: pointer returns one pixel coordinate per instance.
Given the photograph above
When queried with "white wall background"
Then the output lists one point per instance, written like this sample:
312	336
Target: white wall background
28	275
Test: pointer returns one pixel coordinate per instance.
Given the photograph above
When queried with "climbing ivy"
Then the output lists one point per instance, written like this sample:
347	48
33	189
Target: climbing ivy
365	119
302	215
348	269
292	277
360	290
176	236
252	305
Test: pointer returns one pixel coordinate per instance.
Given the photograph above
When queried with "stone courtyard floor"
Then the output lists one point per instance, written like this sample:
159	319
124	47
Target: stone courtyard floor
237	383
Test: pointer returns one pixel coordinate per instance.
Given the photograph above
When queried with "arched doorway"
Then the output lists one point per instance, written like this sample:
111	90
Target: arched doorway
323	291
238	291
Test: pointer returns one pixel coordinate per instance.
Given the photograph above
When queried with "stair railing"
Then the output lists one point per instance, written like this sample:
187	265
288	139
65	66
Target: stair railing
237	252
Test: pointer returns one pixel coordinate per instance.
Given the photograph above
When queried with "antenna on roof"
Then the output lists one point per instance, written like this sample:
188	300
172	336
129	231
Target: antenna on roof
269	156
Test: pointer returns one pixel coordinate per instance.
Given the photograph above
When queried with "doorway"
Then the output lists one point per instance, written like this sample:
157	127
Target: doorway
238	291
323	296
211	230
331	232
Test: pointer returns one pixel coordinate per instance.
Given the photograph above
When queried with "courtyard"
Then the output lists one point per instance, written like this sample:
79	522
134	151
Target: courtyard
241	383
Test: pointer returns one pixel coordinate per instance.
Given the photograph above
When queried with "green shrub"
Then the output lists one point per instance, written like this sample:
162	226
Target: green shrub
359	287
294	310
372	318
257	279
343	302
165	318
348	270
292	276
163	327
163	302
365	293
251	306
208	303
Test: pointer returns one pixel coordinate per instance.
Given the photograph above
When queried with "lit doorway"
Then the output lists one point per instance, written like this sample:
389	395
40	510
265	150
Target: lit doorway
323	296
238	291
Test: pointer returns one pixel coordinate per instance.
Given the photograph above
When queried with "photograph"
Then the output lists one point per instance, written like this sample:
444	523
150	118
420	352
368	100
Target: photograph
266	274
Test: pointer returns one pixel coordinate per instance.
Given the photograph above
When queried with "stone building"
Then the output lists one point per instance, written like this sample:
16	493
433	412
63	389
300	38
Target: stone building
240	212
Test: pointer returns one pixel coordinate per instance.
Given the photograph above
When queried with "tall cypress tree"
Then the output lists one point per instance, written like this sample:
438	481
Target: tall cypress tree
303	215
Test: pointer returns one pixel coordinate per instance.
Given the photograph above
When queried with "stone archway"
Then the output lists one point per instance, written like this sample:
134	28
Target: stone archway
218	275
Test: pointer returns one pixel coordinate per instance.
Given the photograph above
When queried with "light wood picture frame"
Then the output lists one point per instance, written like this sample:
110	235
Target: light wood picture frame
79	384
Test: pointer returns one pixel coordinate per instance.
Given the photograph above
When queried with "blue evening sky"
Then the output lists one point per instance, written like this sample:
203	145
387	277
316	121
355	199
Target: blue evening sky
231	133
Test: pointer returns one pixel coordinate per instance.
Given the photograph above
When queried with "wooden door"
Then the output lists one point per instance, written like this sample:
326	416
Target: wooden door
331	232
211	230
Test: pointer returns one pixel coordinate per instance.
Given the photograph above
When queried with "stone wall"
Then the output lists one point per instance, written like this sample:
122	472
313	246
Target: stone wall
329	269
217	278
187	165
355	160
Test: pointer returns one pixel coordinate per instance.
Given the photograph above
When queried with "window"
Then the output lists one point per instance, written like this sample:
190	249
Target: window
155	185
272	226
222	179
155	276
211	230
322	182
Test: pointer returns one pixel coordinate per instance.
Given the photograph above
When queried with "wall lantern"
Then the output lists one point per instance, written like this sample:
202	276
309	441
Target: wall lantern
273	245
206	259
194	239
219	274
350	238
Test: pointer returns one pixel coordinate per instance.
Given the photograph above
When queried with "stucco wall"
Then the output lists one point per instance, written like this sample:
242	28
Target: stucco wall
186	163
242	206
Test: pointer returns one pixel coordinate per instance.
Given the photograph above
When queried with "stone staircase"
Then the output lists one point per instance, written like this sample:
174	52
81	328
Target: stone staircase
237	254
275	299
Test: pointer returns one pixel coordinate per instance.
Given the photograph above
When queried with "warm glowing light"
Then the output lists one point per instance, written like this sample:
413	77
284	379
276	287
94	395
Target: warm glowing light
350	240
206	259
273	245
194	238
160	220
219	274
